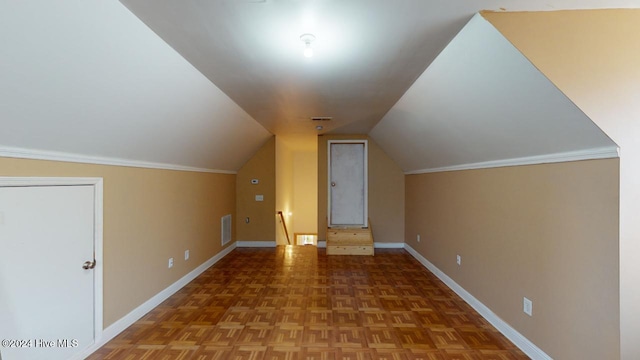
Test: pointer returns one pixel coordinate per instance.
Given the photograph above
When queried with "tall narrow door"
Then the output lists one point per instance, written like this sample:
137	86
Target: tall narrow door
46	296
348	183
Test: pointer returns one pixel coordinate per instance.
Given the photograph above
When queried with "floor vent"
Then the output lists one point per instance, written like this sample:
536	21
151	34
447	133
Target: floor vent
226	229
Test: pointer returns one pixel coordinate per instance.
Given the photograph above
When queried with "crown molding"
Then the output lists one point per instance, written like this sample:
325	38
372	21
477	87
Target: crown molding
21	153
589	154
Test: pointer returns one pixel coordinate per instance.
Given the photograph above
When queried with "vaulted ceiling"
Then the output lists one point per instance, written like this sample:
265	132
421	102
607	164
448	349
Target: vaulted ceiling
202	84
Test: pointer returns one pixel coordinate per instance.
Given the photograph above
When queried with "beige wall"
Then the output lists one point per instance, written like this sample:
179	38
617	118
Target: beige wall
386	191
305	191
261	166
284	190
548	232
592	57
149	216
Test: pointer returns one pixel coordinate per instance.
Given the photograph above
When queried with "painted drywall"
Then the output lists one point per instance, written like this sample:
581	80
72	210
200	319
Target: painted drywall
262	167
305	190
89	78
548	232
149	216
386	191
284	192
593	57
511	110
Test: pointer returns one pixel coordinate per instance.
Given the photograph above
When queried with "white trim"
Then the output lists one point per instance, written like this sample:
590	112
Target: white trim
256	244
120	325
376	245
97	184
529	348
365	142
21	153
589	154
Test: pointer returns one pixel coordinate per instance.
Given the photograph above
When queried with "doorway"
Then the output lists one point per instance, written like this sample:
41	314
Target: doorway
50	266
347	185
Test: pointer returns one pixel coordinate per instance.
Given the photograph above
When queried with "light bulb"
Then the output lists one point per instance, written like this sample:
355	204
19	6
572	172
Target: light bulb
308	51
307	39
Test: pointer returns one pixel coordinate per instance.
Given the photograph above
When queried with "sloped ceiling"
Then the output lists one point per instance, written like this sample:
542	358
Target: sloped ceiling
88	78
481	101
367	52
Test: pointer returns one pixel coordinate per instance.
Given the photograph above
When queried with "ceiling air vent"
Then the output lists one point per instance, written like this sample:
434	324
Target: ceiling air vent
321	118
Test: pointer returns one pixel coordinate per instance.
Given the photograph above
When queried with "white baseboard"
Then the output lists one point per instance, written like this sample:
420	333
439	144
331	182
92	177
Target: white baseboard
117	327
510	333
256	244
376	245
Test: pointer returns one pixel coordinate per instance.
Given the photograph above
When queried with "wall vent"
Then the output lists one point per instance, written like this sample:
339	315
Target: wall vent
321	118
226	229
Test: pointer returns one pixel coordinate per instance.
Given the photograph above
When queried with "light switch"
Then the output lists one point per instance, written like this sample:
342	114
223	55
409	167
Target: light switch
259	197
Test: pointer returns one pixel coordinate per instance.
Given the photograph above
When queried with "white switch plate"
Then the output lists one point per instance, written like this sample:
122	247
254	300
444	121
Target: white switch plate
418	238
186	254
170	263
458	259
259	197
527	306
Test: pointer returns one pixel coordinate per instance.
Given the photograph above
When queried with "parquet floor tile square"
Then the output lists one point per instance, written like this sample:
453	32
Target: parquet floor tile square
391	354
356	354
178	352
298	303
415	338
291	317
420	354
382	338
223	335
447	338
192	335
319	317
376	318
317	336
255	336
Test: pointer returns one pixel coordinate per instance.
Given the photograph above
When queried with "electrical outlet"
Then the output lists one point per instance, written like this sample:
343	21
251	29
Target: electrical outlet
527	306
458	260
170	263
418	238
186	254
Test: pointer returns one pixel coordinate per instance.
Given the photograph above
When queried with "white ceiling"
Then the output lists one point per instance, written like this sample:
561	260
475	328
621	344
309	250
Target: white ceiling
368	52
480	101
88	78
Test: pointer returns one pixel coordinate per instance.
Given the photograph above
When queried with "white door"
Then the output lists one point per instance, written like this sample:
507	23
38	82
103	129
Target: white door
348	183
46	297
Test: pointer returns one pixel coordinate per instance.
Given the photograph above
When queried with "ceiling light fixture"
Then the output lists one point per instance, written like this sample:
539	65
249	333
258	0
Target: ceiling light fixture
307	39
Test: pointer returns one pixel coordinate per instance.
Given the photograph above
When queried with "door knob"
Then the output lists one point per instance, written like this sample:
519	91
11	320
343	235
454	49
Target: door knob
89	264
333	184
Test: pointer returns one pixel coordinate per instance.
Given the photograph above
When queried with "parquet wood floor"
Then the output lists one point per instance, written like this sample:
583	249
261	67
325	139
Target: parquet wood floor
295	302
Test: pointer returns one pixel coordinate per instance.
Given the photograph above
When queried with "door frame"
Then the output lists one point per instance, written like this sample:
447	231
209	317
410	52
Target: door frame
365	142
97	184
